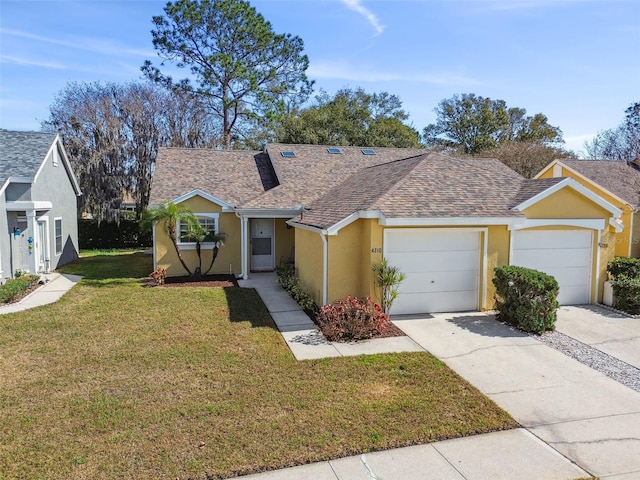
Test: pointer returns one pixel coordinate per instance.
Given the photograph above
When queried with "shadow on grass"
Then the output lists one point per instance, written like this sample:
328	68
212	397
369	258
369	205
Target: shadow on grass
487	326
106	270
245	305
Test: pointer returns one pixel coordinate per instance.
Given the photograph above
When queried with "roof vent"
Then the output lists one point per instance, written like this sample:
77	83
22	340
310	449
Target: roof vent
368	151
288	154
334	150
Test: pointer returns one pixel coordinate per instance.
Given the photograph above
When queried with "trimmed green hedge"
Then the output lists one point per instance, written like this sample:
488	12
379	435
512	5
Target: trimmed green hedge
626	283
624	267
526	298
627	295
110	235
13	289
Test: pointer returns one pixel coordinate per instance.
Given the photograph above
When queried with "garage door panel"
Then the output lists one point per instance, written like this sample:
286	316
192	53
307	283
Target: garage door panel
573	295
554	258
415	241
564	254
434	302
434	261
441	282
540	239
442	269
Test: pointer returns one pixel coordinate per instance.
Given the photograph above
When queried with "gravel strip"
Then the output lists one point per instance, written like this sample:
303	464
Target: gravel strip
612	367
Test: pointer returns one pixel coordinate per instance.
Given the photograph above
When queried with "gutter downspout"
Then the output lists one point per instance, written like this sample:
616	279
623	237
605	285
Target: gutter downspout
325	267
244	246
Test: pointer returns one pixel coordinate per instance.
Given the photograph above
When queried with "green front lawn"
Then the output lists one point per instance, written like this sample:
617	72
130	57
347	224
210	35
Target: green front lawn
149	382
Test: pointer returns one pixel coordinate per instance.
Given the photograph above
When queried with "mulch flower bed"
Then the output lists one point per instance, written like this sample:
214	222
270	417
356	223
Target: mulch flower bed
224	280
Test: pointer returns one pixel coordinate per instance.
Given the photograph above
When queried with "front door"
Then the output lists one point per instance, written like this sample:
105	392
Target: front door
42	246
262	244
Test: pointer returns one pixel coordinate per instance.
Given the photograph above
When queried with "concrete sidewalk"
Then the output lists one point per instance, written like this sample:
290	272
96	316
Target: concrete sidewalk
50	292
508	455
589	418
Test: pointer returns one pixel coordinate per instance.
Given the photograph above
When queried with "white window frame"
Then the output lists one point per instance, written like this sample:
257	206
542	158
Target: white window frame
204	245
55	236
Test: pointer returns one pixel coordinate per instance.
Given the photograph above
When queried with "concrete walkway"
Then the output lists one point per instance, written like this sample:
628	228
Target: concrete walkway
508	455
301	334
610	332
50	292
587	417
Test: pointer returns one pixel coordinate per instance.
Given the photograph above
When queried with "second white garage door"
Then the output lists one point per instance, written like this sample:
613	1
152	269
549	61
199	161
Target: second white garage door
442	269
564	254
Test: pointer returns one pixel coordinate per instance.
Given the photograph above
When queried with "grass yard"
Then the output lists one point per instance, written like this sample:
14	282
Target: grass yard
117	380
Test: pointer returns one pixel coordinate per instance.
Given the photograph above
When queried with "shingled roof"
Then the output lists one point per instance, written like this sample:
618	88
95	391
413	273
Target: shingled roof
22	153
313	171
618	177
427	186
233	176
254	179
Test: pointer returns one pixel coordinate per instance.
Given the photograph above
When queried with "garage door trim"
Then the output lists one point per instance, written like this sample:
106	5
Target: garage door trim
483	251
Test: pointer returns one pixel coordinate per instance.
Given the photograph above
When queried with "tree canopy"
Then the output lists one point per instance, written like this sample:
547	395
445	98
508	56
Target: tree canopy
621	143
473	123
112	133
350	117
246	72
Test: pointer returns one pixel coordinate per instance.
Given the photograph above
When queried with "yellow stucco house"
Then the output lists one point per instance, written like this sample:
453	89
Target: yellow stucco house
446	222
618	182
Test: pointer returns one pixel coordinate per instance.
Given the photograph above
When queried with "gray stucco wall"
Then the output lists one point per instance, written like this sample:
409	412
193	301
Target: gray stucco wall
5	251
54	185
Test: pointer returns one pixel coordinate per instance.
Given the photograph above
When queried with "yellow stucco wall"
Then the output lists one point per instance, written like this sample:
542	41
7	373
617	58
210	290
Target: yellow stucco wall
622	240
228	255
497	255
309	258
284	238
635	236
566	203
345	262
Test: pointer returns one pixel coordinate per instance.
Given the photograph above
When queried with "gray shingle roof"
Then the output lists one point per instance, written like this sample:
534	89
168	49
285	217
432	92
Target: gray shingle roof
618	177
22	153
427	186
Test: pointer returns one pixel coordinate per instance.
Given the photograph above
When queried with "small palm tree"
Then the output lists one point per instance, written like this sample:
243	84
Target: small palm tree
168	215
197	232
218	240
387	278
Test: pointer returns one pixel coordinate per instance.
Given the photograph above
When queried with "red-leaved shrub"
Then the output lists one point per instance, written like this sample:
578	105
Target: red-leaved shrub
352	319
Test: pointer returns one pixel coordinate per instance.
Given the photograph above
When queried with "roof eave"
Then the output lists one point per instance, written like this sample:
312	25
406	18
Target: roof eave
575	185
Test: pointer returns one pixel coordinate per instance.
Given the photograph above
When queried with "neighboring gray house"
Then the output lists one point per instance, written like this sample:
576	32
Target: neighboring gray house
38	204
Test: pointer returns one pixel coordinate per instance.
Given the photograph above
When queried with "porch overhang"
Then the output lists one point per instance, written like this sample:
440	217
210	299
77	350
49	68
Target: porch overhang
28	206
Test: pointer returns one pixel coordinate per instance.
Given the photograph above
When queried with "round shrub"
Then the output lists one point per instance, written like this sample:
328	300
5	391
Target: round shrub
526	298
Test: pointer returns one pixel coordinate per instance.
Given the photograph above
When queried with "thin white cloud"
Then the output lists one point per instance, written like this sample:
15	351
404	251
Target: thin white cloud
105	47
356	6
352	73
31	62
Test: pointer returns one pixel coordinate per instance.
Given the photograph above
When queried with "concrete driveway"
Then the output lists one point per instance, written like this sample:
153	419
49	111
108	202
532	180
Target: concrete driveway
608	331
589	418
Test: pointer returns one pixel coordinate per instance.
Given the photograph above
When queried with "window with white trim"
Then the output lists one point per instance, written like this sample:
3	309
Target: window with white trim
207	220
58	235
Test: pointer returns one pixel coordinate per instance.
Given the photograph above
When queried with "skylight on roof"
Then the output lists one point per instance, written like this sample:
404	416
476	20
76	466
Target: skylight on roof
368	151
334	150
288	154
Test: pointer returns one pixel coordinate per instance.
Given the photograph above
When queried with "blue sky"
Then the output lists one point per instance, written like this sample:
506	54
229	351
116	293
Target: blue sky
576	61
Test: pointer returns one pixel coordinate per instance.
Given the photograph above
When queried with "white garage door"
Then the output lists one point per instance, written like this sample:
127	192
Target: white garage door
564	254
441	268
